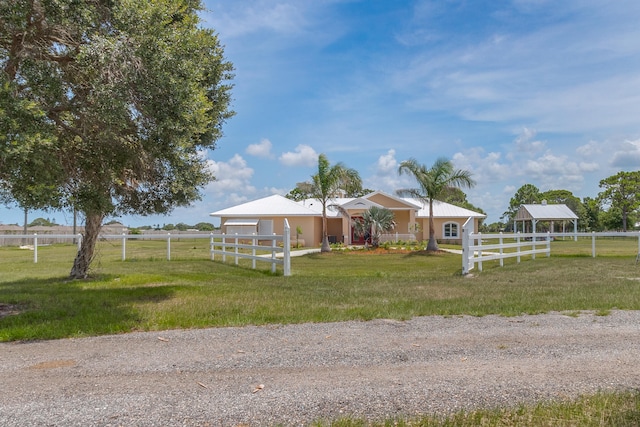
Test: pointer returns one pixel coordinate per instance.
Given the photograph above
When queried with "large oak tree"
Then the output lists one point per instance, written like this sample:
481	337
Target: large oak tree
107	105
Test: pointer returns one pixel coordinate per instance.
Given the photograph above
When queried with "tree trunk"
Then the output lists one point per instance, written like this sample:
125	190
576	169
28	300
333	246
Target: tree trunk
84	257
325	237
433	243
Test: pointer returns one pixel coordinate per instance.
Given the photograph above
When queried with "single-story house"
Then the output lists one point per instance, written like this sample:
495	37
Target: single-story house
266	216
535	213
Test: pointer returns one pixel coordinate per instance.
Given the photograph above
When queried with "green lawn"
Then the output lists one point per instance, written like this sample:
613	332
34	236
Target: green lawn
147	292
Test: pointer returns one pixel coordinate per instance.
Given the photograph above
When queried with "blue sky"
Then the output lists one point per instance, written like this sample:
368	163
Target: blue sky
517	92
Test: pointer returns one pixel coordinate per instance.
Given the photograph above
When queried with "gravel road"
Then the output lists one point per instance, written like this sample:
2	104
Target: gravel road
295	374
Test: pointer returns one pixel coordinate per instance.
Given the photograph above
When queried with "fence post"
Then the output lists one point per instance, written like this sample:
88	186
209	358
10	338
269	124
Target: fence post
501	250
548	244
236	248
224	248
274	246
124	247
35	248
534	241
593	244
286	238
518	242
253	251
465	250
79	241
480	251
169	246
211	247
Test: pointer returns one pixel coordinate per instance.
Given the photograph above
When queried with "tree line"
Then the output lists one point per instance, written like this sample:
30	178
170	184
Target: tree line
615	207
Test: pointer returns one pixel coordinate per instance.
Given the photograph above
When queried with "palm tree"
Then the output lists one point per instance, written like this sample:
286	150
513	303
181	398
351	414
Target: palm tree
433	183
375	221
326	184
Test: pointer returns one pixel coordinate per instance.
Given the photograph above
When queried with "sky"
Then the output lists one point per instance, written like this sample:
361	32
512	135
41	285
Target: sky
514	91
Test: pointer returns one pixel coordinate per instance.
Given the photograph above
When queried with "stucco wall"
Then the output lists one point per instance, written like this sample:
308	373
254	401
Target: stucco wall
307	224
438	227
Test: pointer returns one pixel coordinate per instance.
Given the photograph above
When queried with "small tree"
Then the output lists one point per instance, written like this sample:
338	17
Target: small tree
433	183
375	221
326	184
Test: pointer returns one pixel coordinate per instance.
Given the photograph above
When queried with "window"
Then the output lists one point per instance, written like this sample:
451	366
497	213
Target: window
450	230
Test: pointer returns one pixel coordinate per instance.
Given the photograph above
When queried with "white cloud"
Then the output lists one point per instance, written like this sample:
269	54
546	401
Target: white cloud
525	142
233	178
262	149
387	163
303	155
386	177
590	149
627	155
235	19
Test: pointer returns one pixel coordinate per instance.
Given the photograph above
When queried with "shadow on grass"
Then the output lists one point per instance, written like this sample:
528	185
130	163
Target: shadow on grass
426	253
58	308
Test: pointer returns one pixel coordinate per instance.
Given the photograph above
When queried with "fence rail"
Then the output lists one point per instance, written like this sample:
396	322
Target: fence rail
396	237
274	249
509	245
252	242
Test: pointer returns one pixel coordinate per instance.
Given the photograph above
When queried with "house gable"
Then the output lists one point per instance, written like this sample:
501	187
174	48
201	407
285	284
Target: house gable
390	202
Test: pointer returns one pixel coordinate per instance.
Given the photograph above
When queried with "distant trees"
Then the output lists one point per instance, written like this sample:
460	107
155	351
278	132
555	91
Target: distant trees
42	222
616	207
622	192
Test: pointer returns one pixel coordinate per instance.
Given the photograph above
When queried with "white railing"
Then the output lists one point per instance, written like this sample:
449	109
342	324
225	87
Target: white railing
396	237
33	241
475	251
254	243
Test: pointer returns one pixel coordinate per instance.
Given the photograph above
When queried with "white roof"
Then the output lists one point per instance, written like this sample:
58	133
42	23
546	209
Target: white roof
545	212
443	210
275	205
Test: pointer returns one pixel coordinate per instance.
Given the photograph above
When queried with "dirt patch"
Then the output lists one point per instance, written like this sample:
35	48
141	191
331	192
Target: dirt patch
8	310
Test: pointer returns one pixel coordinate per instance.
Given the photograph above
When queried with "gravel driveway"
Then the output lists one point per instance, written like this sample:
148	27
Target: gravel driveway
295	374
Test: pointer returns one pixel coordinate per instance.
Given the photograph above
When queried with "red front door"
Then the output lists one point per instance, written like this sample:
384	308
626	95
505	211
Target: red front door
355	239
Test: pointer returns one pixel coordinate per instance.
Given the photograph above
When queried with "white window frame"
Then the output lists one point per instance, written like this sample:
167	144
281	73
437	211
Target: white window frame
450	235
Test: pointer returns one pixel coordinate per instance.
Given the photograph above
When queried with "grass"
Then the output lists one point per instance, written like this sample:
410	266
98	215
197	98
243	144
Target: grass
615	409
147	292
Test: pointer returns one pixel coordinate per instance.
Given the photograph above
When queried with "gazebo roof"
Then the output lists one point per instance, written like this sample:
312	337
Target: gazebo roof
545	212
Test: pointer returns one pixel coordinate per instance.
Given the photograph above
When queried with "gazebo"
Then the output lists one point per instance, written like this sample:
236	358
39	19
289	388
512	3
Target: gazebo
544	212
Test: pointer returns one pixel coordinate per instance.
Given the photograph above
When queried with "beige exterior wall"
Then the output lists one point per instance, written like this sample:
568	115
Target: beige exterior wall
439	228
311	234
387	202
341	227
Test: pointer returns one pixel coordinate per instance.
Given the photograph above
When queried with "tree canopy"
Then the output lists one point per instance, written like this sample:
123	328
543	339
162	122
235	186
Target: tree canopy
106	107
622	192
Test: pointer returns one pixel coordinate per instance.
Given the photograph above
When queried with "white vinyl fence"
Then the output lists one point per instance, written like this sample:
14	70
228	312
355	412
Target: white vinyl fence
476	250
231	244
278	246
517	245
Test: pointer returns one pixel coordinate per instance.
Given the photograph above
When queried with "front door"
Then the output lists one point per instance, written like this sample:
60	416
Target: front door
355	239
